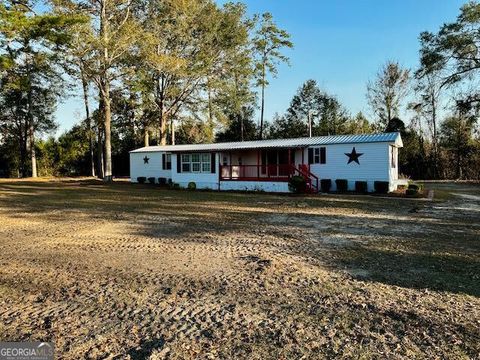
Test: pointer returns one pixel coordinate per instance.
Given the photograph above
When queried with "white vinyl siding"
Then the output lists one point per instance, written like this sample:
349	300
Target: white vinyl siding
154	168
374	164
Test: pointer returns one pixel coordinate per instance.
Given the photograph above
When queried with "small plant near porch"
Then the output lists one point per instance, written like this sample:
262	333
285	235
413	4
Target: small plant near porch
297	184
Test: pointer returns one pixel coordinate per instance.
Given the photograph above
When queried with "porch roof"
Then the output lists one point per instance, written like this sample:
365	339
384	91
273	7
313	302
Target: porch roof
393	138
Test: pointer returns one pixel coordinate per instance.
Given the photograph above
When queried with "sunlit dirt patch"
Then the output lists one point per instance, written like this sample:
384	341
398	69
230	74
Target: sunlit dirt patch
125	271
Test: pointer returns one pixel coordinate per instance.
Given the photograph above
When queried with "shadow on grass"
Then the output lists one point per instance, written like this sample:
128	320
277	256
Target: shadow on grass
458	273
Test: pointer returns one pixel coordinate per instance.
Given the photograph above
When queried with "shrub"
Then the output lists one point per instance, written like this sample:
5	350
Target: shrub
169	182
411	192
381	187
141	179
325	185
361	186
162	181
176	185
414	186
297	184
342	185
192	186
151	180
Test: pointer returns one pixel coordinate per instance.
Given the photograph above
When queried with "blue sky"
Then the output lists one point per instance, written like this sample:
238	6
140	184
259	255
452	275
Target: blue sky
339	43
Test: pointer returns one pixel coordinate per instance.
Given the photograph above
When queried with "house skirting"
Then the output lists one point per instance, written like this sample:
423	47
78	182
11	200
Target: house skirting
267	186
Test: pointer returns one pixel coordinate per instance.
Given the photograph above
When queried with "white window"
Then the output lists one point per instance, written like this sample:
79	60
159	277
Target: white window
185	167
206	166
196	163
186	163
166	161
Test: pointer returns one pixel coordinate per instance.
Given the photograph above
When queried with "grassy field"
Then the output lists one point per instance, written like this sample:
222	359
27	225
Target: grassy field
131	271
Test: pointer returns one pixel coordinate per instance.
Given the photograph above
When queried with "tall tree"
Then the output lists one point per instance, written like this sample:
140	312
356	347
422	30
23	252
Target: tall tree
184	53
113	33
239	128
450	58
268	42
232	91
427	108
310	104
388	91
455	49
456	138
287	127
31	45
79	53
358	125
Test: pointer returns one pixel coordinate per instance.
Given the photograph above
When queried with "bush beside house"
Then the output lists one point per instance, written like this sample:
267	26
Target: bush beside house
342	185
297	184
381	187
325	185
361	187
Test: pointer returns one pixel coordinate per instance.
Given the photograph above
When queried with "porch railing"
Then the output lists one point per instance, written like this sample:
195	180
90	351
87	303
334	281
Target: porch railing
256	172
268	173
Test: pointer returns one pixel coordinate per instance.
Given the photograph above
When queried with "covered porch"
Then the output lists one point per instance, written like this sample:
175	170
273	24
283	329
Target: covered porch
259	164
272	165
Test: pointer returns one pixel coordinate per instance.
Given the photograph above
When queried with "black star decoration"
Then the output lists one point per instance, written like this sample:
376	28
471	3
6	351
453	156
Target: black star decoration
353	156
145	160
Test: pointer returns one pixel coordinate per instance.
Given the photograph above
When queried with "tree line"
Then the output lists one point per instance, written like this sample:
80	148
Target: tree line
191	71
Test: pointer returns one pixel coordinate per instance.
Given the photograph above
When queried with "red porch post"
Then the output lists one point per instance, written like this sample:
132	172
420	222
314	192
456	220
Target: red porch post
258	164
303	156
230	154
289	162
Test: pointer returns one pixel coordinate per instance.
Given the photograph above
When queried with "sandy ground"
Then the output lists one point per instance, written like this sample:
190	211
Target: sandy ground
124	271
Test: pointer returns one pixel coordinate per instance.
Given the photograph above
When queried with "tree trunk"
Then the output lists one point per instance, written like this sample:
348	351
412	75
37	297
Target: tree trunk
107	176
163	128
32	151
242	127
22	147
105	91
100	162
146	138
434	135
31	127
263	102
88	120
172	128
458	151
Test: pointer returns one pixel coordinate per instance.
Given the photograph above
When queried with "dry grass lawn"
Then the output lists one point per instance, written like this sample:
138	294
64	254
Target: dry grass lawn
131	271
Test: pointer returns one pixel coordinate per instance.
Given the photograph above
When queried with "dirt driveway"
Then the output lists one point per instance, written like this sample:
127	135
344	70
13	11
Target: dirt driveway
129	271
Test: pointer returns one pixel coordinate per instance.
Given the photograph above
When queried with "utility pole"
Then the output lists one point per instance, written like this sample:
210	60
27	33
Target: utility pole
309	116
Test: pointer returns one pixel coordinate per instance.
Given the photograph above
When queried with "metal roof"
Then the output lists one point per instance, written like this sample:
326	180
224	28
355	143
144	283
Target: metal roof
393	137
